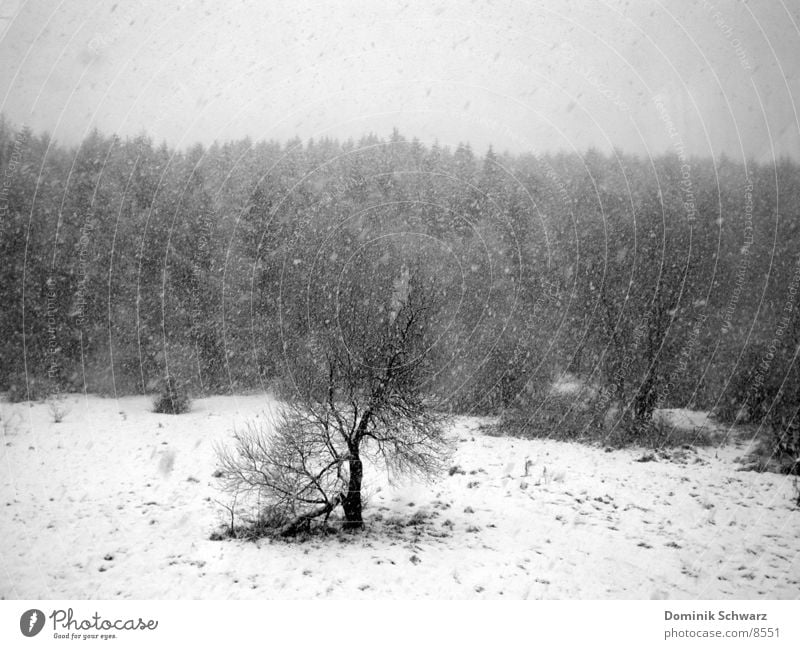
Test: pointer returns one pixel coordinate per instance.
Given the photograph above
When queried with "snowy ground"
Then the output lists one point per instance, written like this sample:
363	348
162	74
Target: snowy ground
118	502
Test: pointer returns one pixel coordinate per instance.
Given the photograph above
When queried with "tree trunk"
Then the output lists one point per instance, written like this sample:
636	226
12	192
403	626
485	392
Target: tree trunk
351	501
645	399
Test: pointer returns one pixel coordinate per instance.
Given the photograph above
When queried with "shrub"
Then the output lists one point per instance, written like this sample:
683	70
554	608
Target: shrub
767	396
763	457
587	414
549	414
655	433
746	400
284	474
173	399
58	409
783	442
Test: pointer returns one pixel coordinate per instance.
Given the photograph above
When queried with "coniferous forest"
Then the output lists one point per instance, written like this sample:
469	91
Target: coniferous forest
662	283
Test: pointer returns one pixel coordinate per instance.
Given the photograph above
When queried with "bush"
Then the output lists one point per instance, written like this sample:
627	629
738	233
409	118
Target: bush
173	399
564	416
764	458
767	397
784	439
745	400
58	408
587	414
283	474
656	433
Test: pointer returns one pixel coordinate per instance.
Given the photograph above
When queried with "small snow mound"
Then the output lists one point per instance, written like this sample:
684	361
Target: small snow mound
684	419
566	384
570	385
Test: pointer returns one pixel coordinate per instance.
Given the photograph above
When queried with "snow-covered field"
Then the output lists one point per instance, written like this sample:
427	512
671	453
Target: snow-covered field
118	502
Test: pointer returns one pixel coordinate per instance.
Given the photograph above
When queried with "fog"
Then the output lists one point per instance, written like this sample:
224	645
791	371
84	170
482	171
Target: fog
522	76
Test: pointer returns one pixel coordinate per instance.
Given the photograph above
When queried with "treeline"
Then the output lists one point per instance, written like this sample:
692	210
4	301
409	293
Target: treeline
667	282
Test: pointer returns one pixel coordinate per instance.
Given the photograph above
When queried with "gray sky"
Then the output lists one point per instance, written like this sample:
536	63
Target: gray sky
536	75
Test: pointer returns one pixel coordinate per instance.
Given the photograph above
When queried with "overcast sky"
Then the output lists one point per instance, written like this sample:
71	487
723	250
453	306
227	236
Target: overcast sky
533	75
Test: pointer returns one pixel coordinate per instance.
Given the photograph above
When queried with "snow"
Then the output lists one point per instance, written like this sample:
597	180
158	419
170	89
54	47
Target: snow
685	419
119	502
567	384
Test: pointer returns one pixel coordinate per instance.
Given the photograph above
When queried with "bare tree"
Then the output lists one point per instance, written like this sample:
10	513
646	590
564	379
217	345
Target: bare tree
358	392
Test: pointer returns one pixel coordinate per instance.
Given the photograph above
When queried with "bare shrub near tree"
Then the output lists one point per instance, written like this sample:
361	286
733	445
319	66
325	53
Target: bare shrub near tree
289	466
359	393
